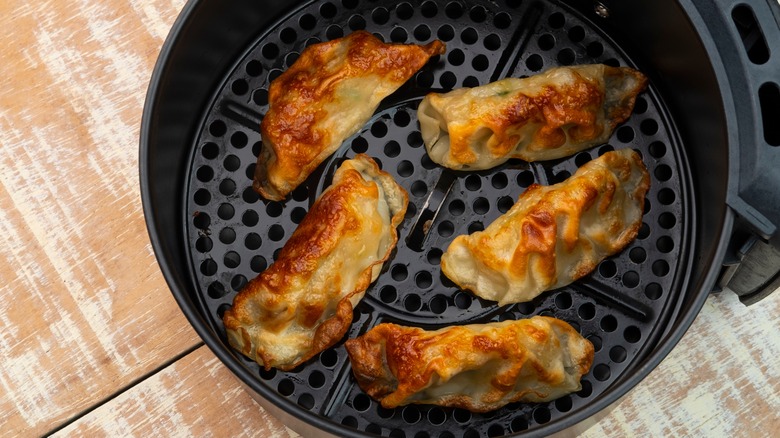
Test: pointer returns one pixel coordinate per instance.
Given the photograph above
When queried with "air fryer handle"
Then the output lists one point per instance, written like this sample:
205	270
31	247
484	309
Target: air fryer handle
746	45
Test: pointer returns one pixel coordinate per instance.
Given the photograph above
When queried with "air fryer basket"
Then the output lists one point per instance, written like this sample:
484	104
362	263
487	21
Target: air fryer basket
219	233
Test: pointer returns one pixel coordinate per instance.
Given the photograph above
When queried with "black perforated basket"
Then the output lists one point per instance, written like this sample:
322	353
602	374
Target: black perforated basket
212	232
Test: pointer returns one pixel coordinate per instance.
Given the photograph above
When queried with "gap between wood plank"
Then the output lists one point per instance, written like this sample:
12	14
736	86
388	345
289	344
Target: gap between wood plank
121	391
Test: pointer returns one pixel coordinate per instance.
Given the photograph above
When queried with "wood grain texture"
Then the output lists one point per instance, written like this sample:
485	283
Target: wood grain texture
85	310
722	379
195	397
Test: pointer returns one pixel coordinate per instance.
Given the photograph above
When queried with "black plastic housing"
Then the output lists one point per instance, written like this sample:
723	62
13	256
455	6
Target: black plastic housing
694	54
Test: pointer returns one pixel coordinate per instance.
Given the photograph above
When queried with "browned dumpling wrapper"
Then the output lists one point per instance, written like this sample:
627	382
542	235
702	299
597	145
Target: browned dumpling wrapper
543	117
302	304
479	367
553	235
327	95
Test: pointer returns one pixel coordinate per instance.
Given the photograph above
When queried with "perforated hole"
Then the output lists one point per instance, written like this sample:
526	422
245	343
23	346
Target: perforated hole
333	32
453	10
602	372
630	279
260	97
210	151
566	57
469	35
208	267
534	62
456	207
238	282
546	42
504	204
470	81
587	389
361	402
226	211
667	220
519	424
253	241
663	172
202	197
422	32
392	149
637	255
399	35
666	196
438	304
660	268
502	20
446	228
480	63
665	244
596	341
216	290
203	244
285	387
424	79
218	128
423	279
356	22
587	311
644	231
201	220
448	80
329	358
556	20
481	206
625	134
607	269
388	294
473	183
542	414
446	33
380	16
463	300
617	354
492	42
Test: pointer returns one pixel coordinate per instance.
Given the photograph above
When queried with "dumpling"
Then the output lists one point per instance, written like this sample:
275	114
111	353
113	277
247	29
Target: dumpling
554	234
547	116
302	304
479	367
327	95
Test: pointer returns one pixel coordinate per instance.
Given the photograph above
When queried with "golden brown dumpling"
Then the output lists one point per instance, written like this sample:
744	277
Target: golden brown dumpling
479	367
553	235
328	94
547	116
302	304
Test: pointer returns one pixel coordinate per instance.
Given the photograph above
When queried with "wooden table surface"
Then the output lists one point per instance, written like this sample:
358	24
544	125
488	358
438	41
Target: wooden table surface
91	340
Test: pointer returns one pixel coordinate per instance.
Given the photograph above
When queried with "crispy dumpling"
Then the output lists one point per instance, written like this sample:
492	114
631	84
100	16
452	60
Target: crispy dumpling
555	234
479	367
543	117
302	304
327	95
